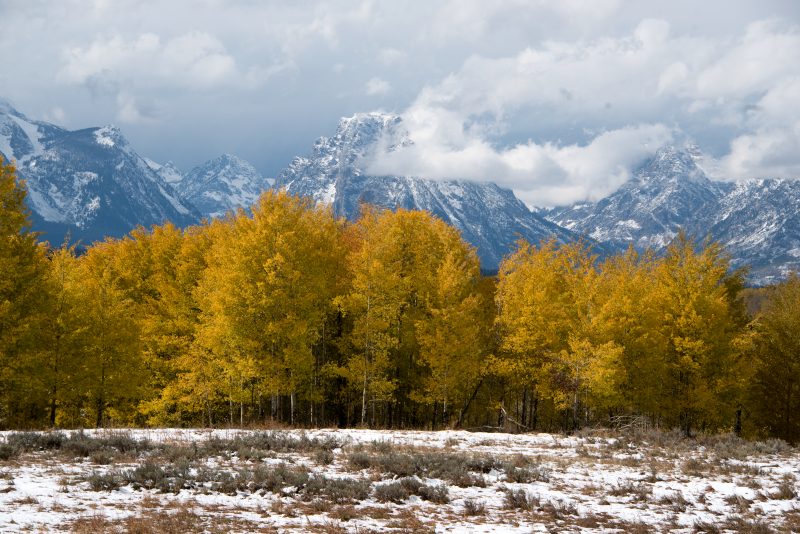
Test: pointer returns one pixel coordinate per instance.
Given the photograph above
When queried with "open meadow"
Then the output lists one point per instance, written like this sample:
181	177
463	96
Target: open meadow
177	480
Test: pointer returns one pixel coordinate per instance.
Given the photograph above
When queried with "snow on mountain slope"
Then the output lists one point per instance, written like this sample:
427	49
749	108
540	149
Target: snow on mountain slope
87	183
663	195
757	221
221	185
169	172
489	217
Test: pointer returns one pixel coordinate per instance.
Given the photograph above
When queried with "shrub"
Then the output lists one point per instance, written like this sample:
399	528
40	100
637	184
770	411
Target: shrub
559	509
400	490
637	492
147	475
102	457
108	481
323	456
8	451
675	500
705	527
520	500
394	492
438	493
473	507
277	477
338	490
524	475
744	526
36	441
786	491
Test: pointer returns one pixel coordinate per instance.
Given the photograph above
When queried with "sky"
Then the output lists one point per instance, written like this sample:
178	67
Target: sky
558	100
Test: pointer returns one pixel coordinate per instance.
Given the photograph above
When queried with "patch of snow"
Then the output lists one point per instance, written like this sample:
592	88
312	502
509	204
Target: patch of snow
32	132
328	195
41	206
630	223
104	136
180	208
5	148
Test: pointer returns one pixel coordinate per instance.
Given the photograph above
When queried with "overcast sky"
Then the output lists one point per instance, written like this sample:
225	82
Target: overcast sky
556	99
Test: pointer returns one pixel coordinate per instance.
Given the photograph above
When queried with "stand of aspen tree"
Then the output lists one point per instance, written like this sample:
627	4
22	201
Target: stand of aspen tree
285	314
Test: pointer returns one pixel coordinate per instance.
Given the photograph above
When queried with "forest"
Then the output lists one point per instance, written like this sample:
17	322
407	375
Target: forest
286	315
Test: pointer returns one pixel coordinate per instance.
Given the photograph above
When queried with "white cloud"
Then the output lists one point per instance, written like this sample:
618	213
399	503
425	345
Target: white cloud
541	174
771	146
56	115
265	74
377	86
768	52
191	60
132	112
620	93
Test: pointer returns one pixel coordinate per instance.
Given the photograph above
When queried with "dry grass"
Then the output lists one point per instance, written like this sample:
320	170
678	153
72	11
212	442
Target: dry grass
161	522
286	477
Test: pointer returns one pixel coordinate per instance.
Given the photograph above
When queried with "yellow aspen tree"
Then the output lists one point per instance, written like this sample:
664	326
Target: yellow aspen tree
700	319
22	301
775	387
112	368
266	293
64	336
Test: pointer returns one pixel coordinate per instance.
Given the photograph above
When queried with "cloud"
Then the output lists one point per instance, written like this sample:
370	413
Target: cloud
56	115
270	77
541	174
377	86
771	146
623	97
133	112
191	60
194	61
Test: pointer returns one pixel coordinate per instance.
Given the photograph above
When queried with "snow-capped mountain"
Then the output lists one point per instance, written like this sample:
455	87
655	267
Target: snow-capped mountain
663	196
87	183
757	221
221	185
489	217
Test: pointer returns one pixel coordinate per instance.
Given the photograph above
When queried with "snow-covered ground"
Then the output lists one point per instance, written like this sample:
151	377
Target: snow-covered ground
494	482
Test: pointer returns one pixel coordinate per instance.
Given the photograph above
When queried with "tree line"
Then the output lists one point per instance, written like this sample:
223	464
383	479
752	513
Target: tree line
286	314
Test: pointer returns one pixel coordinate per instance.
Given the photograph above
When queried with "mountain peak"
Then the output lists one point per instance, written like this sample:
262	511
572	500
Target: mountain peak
489	217
381	118
228	159
363	129
670	163
109	136
222	184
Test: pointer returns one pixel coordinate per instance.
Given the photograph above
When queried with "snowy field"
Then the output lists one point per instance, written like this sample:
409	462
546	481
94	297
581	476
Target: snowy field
393	481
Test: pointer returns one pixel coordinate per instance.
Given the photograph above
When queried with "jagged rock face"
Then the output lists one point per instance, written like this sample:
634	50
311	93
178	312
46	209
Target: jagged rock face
88	183
490	218
222	185
757	221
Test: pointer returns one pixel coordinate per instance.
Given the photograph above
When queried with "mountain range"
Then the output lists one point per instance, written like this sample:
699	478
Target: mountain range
489	217
86	183
757	221
91	183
